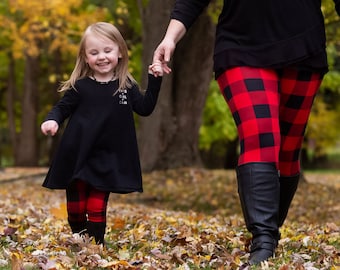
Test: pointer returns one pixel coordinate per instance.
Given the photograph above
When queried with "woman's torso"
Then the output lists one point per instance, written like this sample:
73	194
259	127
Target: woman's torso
264	33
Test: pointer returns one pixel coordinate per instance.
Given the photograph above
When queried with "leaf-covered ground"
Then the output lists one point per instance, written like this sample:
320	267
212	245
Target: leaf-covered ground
185	219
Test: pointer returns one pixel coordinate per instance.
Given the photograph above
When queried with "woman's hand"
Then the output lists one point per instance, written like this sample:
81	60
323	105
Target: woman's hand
163	53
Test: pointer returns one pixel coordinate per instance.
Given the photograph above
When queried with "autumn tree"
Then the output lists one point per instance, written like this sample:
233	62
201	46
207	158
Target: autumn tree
35	36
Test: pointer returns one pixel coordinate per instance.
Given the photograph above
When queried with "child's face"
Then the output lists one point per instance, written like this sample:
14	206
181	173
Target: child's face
102	56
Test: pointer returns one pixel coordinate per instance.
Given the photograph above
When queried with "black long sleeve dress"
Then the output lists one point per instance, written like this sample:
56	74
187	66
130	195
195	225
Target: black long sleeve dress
99	143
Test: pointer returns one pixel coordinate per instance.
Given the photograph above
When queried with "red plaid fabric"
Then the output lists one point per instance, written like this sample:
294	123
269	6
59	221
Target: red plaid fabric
86	203
298	90
270	109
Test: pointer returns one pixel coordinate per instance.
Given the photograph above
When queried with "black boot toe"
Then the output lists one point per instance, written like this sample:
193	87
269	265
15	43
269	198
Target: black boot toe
262	249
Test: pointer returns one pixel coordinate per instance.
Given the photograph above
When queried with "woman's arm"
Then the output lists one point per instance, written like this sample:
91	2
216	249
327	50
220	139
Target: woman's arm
337	6
183	15
176	30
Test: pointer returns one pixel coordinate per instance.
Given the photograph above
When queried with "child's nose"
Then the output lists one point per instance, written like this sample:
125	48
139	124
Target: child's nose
101	55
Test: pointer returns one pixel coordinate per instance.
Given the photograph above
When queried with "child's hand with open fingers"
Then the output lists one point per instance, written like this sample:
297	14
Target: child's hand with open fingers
156	69
49	127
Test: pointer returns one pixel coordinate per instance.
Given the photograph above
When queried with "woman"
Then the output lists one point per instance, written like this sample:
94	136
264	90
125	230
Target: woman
269	61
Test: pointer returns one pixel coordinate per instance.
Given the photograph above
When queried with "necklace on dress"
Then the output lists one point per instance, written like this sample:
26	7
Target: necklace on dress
105	82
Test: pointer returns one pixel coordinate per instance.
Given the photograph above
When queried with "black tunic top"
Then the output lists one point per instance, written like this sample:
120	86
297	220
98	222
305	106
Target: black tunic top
264	33
99	143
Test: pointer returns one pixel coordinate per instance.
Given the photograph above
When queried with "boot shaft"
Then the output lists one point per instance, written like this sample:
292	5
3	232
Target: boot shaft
288	187
259	191
258	187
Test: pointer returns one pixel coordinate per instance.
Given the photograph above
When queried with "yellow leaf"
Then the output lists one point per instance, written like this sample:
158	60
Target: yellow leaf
59	212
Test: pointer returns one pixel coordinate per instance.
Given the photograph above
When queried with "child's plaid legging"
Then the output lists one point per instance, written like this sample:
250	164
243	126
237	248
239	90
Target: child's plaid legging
271	109
85	203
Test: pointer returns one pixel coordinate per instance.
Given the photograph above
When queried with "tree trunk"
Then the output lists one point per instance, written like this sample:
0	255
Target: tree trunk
54	141
10	100
169	137
27	147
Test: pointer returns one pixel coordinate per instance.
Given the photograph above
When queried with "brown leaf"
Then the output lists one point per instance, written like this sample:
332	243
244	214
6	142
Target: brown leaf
9	231
16	260
118	223
156	252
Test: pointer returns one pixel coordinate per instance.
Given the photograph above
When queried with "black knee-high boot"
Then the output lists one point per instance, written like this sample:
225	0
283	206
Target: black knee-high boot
288	187
259	191
96	230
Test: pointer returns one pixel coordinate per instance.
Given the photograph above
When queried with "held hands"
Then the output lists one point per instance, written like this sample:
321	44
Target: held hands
176	30
156	69
49	127
163	54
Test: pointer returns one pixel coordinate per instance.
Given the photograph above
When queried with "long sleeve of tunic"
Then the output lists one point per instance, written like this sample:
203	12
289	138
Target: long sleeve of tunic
264	33
337	6
99	143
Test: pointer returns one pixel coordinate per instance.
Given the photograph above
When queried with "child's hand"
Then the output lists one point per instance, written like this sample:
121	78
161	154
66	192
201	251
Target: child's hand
49	127
156	69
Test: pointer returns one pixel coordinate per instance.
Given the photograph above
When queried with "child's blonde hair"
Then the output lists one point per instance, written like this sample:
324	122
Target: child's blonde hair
82	69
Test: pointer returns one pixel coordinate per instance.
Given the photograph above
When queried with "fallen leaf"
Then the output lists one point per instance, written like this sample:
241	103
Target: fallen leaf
59	212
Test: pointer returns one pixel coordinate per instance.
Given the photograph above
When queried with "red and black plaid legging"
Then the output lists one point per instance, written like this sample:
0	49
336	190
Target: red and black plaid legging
271	109
84	202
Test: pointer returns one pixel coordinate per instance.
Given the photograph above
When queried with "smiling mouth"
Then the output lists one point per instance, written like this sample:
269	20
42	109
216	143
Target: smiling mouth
102	64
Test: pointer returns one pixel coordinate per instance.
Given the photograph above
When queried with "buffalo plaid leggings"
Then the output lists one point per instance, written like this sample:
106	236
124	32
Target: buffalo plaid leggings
270	109
85	203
